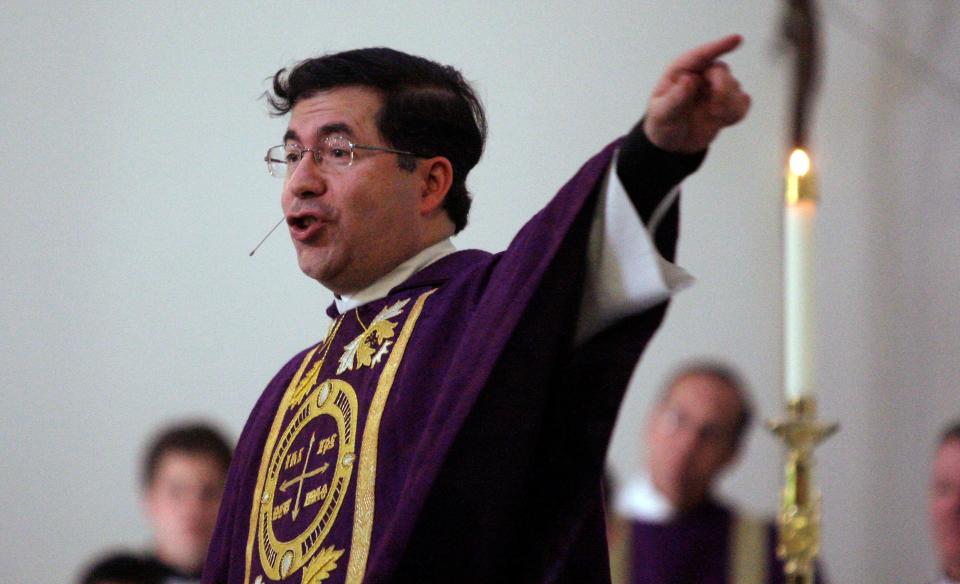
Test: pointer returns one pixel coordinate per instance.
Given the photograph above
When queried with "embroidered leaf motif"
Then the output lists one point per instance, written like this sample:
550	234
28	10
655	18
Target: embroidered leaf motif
320	566
382	330
382	352
364	352
390	311
305	385
346	361
370	346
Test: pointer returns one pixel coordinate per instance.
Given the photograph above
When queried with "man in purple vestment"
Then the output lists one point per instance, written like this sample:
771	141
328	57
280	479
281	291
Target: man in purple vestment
670	527
452	424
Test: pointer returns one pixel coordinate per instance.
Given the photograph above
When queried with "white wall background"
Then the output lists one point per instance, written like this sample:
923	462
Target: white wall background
133	189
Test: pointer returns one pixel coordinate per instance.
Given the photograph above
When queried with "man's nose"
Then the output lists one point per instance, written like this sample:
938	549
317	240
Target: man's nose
685	442
307	179
198	504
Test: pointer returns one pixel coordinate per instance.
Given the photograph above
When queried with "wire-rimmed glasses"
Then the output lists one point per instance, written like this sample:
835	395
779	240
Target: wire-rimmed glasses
334	152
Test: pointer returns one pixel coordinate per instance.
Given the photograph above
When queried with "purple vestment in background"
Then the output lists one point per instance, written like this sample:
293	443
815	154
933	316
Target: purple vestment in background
695	547
450	432
692	548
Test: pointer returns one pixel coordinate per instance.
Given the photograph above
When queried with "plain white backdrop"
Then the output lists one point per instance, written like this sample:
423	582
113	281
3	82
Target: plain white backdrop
133	188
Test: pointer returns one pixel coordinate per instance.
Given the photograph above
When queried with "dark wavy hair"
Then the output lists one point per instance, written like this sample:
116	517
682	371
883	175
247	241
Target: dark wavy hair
194	438
428	108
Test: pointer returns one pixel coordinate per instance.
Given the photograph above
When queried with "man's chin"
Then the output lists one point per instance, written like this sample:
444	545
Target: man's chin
685	500
314	270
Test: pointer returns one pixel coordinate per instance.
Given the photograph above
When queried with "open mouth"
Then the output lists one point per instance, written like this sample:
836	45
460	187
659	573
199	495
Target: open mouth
304	226
301	222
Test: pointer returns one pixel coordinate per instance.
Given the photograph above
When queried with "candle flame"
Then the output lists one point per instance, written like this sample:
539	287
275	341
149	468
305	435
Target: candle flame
799	162
799	178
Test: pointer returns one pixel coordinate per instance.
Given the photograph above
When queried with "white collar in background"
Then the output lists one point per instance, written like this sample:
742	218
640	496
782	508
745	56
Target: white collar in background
640	500
397	276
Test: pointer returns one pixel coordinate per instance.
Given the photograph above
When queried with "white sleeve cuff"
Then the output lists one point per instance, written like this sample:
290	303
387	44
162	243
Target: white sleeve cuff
625	272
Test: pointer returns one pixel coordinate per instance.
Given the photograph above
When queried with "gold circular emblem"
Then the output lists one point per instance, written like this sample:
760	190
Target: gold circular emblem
306	479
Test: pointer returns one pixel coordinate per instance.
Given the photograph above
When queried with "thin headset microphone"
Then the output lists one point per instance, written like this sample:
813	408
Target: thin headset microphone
254	250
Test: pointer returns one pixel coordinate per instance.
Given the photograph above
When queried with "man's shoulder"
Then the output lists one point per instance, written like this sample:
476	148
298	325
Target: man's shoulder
455	265
282	378
291	366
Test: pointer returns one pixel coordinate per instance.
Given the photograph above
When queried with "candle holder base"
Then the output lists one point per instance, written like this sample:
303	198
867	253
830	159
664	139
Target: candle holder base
798	523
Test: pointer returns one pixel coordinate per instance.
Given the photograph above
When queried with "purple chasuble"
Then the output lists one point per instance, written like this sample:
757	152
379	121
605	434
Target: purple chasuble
694	547
449	432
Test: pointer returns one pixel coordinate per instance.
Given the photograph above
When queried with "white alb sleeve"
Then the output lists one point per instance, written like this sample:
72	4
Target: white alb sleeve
625	272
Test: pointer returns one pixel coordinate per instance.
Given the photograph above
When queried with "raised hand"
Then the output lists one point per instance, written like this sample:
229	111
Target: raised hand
695	98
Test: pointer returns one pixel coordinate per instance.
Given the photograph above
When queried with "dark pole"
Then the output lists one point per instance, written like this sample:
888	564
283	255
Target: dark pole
802	34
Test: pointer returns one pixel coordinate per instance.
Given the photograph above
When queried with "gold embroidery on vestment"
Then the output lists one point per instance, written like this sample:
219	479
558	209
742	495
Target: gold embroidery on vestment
321	565
367	469
265	499
290	497
280	558
371	346
310	379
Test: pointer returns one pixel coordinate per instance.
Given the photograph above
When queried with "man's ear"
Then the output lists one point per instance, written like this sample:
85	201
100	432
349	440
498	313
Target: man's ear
437	174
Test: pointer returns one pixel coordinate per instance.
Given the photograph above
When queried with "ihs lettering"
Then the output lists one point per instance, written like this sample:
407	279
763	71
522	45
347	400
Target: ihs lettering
293	458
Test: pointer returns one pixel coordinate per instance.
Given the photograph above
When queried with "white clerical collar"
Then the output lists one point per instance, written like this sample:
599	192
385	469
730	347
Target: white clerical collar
639	499
398	275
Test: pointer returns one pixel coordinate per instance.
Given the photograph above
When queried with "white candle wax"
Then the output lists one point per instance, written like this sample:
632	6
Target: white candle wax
798	278
798	288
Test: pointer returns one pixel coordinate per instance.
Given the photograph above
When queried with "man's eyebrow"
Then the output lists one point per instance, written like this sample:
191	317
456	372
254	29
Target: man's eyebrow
334	128
322	132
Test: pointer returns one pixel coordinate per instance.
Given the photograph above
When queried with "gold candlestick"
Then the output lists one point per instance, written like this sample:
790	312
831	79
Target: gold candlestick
798	523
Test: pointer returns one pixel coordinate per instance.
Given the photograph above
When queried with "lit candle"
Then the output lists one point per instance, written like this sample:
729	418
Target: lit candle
801	207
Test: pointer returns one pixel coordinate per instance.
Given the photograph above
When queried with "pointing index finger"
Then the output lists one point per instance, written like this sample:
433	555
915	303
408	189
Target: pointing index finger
697	60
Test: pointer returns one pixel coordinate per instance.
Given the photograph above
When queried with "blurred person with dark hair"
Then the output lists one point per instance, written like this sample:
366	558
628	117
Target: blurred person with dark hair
674	528
945	504
184	470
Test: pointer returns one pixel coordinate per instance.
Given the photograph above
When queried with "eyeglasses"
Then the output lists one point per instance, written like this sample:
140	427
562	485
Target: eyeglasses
710	432
335	152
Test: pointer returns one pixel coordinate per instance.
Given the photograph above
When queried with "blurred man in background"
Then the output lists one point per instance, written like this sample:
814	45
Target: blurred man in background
184	471
670	525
